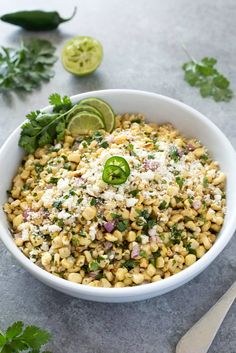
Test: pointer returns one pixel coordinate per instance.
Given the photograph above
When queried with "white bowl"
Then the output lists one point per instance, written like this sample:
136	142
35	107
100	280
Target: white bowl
158	109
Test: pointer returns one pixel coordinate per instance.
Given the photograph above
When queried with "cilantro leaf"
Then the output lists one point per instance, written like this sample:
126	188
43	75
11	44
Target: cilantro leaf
44	128
18	339
60	104
206	77
25	67
14	330
179	181
35	337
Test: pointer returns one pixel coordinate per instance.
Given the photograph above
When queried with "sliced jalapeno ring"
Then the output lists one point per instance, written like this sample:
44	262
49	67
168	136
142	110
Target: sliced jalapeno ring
119	162
114	175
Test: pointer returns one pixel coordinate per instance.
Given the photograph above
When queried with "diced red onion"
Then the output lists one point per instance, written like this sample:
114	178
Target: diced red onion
159	239
150	164
108	245
17	236
153	238
152	232
190	147
180	153
135	251
26	214
197	204
109	226
93	274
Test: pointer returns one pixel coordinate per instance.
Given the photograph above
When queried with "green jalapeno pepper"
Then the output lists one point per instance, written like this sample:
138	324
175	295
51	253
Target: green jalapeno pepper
116	171
119	162
36	20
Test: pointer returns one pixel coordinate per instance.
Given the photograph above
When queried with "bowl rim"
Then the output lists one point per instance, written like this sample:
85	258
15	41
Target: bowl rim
160	286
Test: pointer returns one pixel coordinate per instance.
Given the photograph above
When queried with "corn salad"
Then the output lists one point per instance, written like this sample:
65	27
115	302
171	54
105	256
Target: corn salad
165	217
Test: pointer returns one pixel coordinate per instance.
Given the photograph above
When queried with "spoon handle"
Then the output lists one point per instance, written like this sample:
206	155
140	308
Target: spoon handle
199	338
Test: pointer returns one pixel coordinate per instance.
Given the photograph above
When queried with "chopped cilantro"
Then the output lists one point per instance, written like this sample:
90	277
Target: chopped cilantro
179	181
174	154
53	180
82	234
38	168
26	187
137	121
134	192
94	266
189	249
57	204
131	148
115	215
122	225
75	240
104	144
151	156
67	166
204	204
143	214
129	264
163	205
100	258
205	182
204	157
94	201
143	253
151	223
176	234
190	198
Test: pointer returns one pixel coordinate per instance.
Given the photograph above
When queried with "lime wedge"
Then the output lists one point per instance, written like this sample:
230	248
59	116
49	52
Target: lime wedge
104	109
83	108
82	55
82	123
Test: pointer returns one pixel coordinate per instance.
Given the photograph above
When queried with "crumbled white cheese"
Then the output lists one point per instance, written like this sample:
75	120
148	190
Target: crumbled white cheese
93	230
145	238
63	215
131	202
63	184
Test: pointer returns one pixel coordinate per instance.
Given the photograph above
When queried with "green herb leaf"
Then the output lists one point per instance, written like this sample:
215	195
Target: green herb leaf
134	193
176	234
60	104
205	182
174	154
206	77
18	339
179	181
122	225
115	215
25	67
129	264
94	266
44	128
14	330
163	205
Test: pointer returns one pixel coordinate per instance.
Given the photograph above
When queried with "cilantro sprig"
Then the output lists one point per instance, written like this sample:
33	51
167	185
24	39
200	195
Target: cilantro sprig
43	128
28	339
27	66
207	78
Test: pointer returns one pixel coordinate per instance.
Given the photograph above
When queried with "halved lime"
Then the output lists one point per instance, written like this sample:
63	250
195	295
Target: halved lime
83	108
82	55
104	109
82	123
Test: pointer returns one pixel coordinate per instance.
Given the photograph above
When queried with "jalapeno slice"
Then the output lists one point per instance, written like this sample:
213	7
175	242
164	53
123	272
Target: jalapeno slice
119	162
114	175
